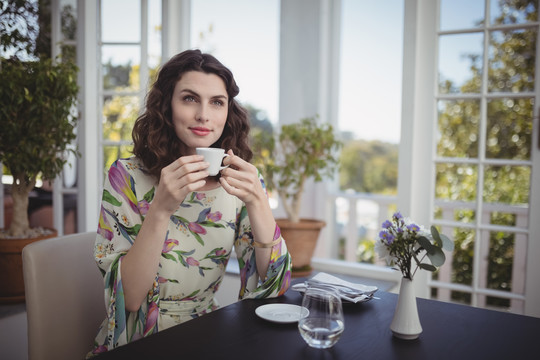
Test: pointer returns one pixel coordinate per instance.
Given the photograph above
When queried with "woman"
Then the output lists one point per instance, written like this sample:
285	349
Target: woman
167	229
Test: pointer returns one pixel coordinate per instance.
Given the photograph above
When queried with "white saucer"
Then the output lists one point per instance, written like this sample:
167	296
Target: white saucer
281	313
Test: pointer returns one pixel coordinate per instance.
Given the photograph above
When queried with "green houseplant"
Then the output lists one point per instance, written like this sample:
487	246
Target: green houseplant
37	122
37	99
300	152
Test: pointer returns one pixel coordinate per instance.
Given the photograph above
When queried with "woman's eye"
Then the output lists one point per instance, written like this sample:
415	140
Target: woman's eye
218	102
189	98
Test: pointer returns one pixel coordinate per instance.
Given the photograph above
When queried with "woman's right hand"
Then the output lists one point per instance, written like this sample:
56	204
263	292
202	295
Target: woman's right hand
182	176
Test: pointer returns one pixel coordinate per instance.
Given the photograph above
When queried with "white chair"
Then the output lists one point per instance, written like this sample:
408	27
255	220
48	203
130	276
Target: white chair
64	296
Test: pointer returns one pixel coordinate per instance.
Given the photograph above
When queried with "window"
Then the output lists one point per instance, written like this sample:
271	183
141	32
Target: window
244	36
130	54
369	121
483	149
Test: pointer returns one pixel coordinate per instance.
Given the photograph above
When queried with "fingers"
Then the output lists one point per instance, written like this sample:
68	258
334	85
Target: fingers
178	179
241	179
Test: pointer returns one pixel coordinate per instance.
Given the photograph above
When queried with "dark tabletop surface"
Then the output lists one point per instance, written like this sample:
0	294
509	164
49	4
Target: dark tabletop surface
450	331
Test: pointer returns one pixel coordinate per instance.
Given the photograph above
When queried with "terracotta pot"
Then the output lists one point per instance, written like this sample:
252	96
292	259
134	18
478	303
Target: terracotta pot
11	280
301	239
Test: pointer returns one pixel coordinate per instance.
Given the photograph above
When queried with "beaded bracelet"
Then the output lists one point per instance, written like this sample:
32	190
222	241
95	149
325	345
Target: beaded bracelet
266	245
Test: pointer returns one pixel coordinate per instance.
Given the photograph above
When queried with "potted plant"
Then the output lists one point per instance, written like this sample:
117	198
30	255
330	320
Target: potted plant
301	151
37	101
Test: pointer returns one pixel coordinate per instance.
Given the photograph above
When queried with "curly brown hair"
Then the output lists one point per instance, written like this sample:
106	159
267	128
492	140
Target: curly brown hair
154	137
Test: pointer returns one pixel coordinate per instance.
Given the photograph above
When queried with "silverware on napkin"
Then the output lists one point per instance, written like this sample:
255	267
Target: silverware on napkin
347	291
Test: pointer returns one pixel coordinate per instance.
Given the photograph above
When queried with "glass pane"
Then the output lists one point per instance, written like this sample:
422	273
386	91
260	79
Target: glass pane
120	21
456	182
119	114
70	214
450	211
462	259
461	297
502	218
69	53
512	60
68	18
513	12
500	260
460	14
509	128
219	27
460	63
112	153
369	167
121	67
369	114
458	128
154	33
507	184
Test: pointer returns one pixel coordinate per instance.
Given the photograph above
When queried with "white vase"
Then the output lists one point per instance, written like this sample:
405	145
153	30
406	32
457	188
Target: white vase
406	323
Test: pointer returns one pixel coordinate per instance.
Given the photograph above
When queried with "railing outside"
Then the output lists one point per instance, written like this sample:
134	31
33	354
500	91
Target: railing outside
358	218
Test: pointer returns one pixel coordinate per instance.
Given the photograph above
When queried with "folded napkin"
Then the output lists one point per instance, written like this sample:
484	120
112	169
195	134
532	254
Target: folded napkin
347	291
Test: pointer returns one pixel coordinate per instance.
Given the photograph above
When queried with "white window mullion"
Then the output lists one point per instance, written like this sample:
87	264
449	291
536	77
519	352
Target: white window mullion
176	27
89	171
57	190
143	70
532	285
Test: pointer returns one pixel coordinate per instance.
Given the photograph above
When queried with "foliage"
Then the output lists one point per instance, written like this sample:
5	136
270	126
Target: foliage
369	166
510	69
36	119
120	111
37	102
302	151
17	30
401	241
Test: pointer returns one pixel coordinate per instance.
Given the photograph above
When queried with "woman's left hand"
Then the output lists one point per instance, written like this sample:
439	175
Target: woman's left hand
241	180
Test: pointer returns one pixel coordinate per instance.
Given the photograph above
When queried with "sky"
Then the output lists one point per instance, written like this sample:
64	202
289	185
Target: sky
371	55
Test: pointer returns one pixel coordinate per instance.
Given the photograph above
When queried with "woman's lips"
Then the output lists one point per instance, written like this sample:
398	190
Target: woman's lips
200	131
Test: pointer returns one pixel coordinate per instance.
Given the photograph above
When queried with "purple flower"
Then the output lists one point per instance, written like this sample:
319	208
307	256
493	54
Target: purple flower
121	182
104	228
387	224
191	261
168	245
143	207
151	318
215	216
196	228
387	238
413	227
200	196
397	215
221	252
100	349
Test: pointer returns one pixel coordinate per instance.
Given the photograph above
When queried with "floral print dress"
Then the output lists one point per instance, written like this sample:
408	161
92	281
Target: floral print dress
200	238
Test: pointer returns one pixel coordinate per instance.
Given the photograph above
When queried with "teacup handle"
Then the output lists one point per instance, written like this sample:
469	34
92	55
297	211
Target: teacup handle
225	166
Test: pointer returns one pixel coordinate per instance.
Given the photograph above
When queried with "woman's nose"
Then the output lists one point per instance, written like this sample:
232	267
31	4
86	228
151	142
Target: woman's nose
202	114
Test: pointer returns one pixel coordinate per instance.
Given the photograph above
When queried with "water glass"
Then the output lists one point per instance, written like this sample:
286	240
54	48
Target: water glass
322	325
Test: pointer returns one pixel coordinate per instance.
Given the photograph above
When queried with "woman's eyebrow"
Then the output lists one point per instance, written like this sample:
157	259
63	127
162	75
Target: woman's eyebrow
220	97
197	94
189	91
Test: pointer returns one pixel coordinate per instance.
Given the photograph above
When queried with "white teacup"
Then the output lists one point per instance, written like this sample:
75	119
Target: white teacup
214	157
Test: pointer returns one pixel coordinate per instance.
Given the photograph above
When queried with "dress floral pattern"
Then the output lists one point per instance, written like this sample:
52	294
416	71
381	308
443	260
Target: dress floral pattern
200	238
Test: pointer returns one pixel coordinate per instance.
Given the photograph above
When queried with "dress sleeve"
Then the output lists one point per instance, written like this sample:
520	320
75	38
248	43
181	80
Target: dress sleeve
120	219
278	276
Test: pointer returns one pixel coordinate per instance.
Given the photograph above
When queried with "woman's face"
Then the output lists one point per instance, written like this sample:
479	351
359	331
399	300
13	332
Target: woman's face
199	109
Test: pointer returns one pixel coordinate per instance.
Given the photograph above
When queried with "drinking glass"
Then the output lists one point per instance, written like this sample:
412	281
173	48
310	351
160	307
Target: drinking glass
322	325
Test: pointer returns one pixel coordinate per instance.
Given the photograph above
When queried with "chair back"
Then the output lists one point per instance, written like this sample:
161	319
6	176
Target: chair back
64	296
